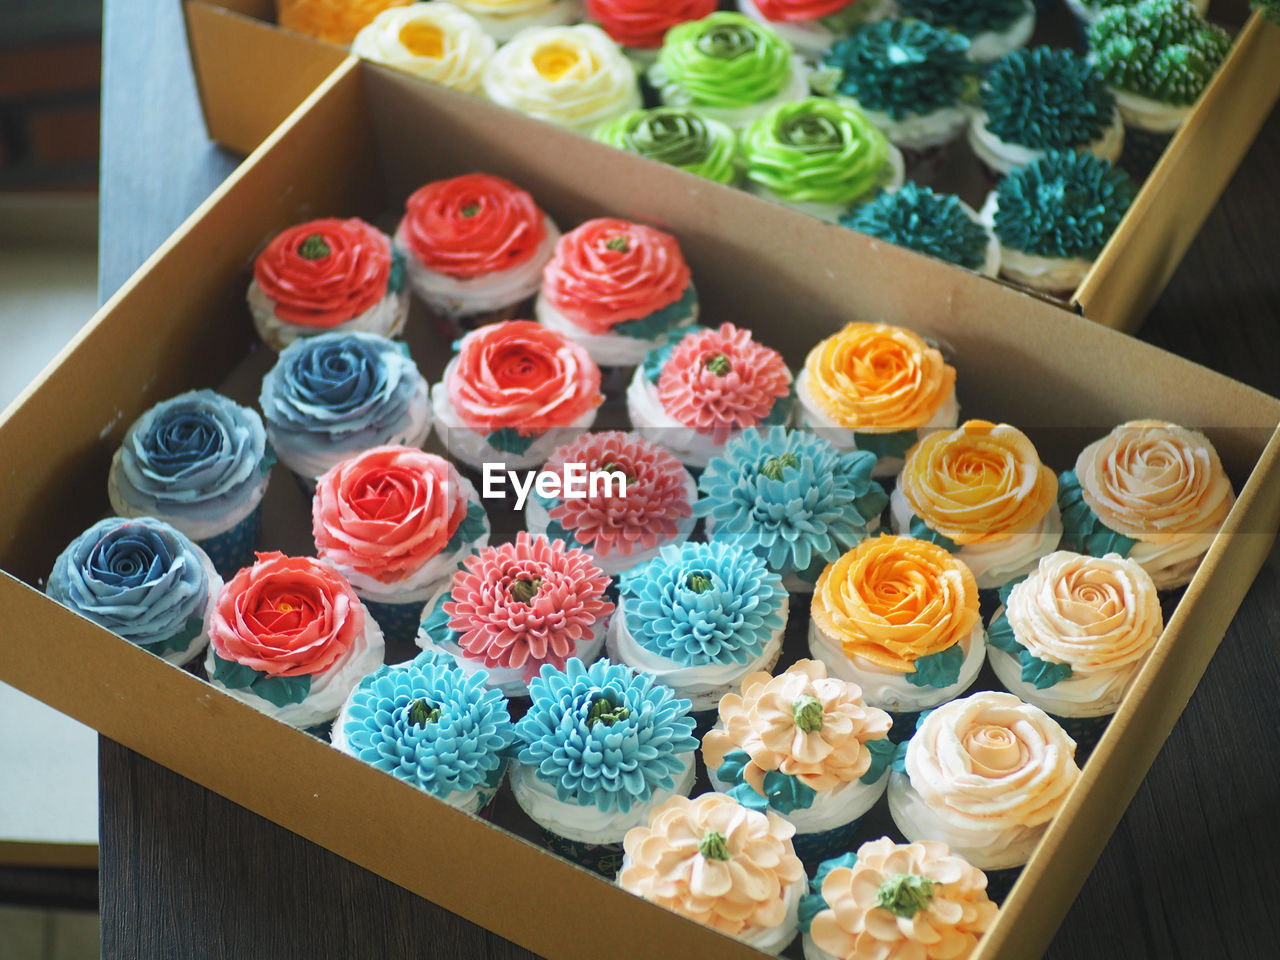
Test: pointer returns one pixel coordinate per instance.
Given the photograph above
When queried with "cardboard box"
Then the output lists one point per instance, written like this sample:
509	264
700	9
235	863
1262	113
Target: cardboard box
358	146
251	73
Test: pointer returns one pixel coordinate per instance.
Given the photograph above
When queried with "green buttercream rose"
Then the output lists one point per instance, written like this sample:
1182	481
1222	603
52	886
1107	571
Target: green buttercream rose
725	61
678	137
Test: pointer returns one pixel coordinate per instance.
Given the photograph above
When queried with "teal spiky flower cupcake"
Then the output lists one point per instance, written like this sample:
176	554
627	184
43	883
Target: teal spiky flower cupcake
994	27
679	137
1053	217
1043	99
940	225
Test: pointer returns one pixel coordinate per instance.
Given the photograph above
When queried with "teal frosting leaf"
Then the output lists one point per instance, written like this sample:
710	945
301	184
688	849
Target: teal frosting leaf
1159	49
180	640
436	624
1083	532
1001	636
471	529
747	796
277	691
811	904
882	754
782	791
395	277
1046	99
894	445
268	460
663	321
935	224
922	531
509	440
657	358
1007	588
941	669
1042	673
899	762
970	17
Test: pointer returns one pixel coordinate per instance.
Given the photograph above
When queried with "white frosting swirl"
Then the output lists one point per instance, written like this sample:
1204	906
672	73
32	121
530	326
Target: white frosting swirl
917	131
503	19
464	49
1003	157
385	318
992	45
192	527
1143	113
606	349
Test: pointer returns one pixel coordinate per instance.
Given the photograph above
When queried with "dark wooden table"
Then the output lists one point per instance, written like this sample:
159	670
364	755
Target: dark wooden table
1189	873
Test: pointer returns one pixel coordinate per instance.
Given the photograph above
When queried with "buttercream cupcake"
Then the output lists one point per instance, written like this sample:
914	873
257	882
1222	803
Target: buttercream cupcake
984	775
1043	99
336	394
514	392
792	499
679	137
433	41
396	522
940	225
994	28
620	525
1151	491
1088	11
290	637
981	492
805	745
474	247
618	289
516	607
818	156
574	77
1071	637
699	617
720	864
432	725
144	581
1157	57
639	25
327	276
1053	217
201	463
599	749
728	68
694	393
503	19
899	617
336	21
811	26
877	388
896	901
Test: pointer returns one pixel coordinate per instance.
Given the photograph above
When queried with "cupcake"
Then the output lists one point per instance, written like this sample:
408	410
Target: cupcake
620	526
514	392
1151	491
699	617
1053	217
728	68
432	41
805	745
994	28
1157	57
811	26
327	276
899	617
503	19
1087	12
907	78
396	523
720	864
981	492
939	225
1072	636
896	901
792	499
818	156
877	388
618	289
1043	99
516	607
694	393
432	725
144	581
474	247
600	748
984	775
290	637
639	25
335	395
201	463
574	77
335	21
680	137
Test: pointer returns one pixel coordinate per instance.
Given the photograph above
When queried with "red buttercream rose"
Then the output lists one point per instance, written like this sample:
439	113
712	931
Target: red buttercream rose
643	23
472	225
520	374
387	511
325	272
790	10
609	271
286	616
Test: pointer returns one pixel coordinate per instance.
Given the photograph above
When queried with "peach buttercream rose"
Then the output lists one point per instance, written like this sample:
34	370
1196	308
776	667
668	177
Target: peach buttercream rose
892	600
876	378
905	901
802	723
979	483
714	861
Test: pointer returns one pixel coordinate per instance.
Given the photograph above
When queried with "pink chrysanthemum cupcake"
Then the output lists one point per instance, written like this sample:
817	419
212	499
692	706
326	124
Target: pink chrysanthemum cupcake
693	394
516	606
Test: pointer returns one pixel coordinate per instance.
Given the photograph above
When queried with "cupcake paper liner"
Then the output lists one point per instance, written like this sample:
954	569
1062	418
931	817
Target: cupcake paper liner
234	549
814	848
602	858
399	621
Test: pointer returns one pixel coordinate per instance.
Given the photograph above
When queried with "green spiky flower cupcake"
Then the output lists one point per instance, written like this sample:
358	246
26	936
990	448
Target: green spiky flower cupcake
937	224
995	28
679	137
1088	11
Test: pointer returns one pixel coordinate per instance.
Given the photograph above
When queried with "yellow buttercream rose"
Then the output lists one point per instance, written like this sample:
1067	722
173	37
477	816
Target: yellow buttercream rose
337	21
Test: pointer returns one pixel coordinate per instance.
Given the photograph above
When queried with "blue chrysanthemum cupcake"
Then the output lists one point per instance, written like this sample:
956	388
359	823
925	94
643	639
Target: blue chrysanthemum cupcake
600	748
940	225
432	725
792	499
200	462
994	28
144	581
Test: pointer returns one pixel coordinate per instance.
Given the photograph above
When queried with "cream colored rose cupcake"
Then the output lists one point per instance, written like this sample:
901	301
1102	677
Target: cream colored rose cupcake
1151	491
503	19
1071	637
433	41
720	864
980	491
574	77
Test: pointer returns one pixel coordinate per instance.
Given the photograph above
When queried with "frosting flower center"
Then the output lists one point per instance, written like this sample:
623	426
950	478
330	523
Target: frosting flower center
714	845
807	712
423	39
555	60
383	497
719	364
698	582
994	750
313	248
905	894
774	466
421	712
603	710
726	41
810	131
525	589
619	244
